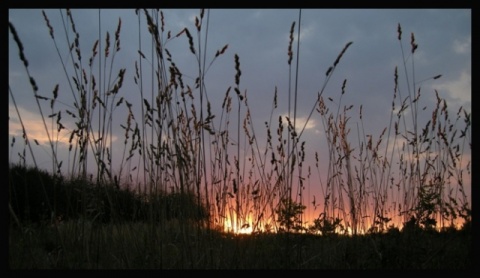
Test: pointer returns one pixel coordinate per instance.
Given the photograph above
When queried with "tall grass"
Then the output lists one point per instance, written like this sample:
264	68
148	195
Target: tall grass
412	172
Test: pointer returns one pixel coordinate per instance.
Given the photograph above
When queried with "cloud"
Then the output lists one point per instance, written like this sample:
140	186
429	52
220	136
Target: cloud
459	89
300	123
35	127
462	46
306	32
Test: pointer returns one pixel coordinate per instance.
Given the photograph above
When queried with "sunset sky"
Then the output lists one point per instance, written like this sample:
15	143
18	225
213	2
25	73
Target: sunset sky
260	38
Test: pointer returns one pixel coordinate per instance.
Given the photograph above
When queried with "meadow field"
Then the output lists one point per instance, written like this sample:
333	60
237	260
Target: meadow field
194	186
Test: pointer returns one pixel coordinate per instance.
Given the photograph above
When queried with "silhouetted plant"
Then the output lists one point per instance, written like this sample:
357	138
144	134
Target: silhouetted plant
326	225
289	215
428	203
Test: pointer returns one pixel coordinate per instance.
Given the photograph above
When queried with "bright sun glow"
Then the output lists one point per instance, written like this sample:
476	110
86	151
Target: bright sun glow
243	228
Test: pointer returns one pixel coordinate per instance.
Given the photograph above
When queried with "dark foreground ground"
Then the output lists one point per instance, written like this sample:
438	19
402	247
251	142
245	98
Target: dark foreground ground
144	246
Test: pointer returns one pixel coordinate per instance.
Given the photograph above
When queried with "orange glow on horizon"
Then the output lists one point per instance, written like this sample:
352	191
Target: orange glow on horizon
246	226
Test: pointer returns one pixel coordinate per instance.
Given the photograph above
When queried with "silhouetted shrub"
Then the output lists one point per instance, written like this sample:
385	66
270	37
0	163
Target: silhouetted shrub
32	193
36	196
